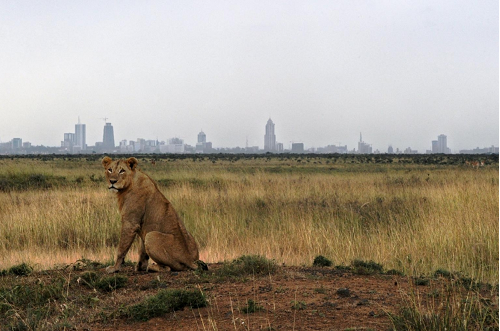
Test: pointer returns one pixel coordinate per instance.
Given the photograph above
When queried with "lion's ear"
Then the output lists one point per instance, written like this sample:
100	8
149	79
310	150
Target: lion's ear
106	161
132	163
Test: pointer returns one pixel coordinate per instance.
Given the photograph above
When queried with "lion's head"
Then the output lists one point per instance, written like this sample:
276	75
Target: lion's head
119	173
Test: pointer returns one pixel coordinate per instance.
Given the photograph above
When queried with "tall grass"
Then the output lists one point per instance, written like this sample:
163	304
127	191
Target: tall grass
415	218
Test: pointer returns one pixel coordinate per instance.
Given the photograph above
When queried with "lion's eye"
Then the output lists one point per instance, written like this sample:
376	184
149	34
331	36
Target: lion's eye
110	170
122	171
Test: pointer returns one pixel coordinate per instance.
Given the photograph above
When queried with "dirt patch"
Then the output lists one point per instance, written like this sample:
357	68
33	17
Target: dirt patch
293	298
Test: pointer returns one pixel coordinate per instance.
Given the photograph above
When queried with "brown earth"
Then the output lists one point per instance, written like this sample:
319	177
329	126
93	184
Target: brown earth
293	298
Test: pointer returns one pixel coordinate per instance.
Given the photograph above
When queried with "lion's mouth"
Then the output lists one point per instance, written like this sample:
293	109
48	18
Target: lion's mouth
113	188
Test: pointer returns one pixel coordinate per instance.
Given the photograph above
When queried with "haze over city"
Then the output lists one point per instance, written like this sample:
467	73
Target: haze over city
401	73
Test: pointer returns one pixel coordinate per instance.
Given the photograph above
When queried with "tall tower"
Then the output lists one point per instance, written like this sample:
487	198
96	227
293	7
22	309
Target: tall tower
270	137
80	135
108	139
442	144
202	137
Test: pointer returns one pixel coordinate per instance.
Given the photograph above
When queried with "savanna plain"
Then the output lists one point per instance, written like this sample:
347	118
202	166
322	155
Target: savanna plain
320	242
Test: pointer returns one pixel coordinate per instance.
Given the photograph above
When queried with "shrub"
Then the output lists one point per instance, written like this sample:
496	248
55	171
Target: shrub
394	272
165	301
22	269
366	268
321	261
247	265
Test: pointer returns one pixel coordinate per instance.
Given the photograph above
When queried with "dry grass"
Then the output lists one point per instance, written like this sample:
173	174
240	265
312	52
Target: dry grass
415	218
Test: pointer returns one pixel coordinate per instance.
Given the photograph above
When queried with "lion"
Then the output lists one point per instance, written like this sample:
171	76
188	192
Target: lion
146	213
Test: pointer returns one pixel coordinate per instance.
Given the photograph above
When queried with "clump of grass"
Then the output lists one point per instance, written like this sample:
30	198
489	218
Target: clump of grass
321	261
22	269
247	265
251	307
366	268
111	283
452	311
24	306
88	278
106	284
165	301
442	273
344	292
394	272
299	305
421	281
84	263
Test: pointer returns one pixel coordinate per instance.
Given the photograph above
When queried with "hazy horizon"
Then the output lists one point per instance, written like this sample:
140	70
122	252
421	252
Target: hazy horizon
401	73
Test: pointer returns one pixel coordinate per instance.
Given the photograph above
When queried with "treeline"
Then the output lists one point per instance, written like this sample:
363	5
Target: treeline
425	159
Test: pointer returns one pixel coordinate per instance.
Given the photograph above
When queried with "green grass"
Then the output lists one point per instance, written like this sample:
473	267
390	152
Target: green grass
247	265
321	261
251	307
165	301
22	269
103	283
366	268
26	306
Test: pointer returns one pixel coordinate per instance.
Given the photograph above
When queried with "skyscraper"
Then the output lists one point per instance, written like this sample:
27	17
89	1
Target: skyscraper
80	136
442	144
108	139
270	137
202	137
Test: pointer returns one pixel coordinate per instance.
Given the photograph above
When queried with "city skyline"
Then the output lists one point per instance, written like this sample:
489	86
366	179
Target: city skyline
400	72
75	143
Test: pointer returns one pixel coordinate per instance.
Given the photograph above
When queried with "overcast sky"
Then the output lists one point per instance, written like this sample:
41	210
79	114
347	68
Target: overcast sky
400	72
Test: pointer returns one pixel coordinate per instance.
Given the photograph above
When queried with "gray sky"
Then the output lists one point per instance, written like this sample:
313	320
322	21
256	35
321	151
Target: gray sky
400	72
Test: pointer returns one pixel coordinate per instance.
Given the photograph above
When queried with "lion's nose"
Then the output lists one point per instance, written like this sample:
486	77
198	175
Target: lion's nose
112	181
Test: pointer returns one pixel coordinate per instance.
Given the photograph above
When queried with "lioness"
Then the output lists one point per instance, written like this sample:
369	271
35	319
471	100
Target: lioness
147	213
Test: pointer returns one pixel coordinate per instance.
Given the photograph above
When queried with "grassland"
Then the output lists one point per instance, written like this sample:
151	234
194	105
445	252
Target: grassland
414	214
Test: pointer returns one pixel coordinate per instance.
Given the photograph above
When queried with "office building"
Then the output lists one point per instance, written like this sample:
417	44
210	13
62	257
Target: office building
270	137
441	145
202	137
434	148
297	147
80	136
108	140
68	142
17	143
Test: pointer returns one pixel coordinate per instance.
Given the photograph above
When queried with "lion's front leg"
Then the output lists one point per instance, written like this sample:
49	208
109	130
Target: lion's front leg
127	237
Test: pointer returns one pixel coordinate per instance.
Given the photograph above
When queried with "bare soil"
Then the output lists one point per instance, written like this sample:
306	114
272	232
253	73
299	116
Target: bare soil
293	298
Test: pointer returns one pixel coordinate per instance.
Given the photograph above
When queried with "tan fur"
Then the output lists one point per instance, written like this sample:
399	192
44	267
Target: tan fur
148	214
